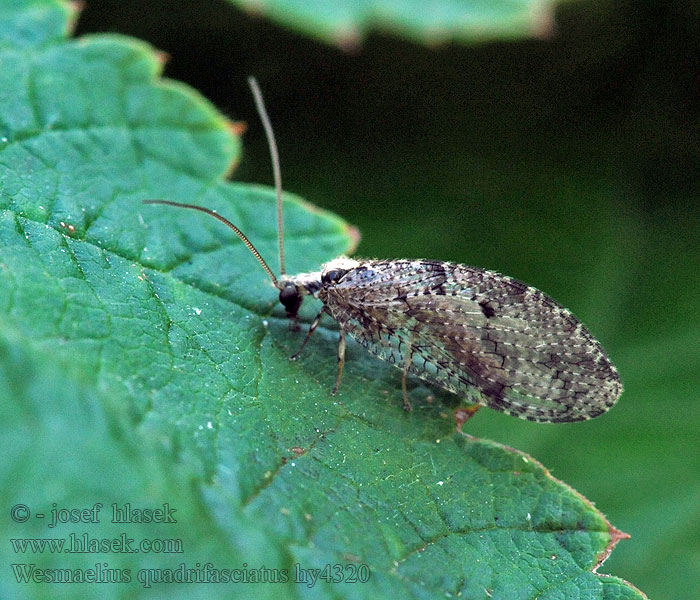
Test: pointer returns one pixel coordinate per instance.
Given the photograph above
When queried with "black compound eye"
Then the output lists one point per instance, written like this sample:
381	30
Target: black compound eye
291	299
332	276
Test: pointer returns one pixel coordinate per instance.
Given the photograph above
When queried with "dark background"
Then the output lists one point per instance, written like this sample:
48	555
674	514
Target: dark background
570	163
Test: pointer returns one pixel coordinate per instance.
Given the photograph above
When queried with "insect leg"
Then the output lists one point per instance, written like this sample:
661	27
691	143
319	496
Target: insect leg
406	364
341	360
314	324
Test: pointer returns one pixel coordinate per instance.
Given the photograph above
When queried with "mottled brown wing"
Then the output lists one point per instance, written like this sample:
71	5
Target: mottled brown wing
467	328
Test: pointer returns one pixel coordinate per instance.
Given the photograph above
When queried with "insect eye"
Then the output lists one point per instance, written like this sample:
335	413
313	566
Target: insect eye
291	299
332	276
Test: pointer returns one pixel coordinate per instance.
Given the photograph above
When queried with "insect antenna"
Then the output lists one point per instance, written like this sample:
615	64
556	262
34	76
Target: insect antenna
274	155
228	224
260	106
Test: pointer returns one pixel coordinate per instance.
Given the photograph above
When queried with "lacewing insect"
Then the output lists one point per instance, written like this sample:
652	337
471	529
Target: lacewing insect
477	333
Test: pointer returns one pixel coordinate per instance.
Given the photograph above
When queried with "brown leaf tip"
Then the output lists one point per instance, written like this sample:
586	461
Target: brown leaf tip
348	39
162	57
615	536
238	128
355	236
543	24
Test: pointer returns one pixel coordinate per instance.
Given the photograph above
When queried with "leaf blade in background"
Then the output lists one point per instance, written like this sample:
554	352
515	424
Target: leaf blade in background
346	23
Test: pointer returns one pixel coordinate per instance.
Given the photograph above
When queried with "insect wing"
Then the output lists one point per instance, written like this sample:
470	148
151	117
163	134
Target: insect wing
469	329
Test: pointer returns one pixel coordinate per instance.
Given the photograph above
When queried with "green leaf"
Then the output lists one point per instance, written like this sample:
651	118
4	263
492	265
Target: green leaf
144	359
64	444
347	21
32	23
